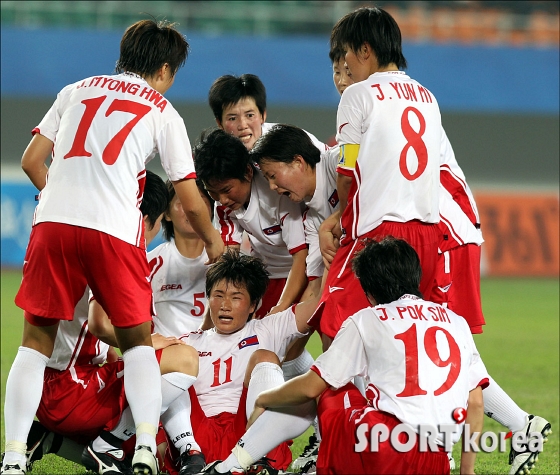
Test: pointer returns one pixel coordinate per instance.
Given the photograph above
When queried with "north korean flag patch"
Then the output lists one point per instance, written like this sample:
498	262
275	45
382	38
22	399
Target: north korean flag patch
272	230
333	199
249	341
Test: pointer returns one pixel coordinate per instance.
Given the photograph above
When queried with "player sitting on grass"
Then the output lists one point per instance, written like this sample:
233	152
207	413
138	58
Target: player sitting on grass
421	364
239	358
90	383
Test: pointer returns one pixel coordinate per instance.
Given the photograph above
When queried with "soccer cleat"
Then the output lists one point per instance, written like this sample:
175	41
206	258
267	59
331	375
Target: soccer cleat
210	469
310	468
451	461
262	467
144	461
112	462
191	462
40	441
14	469
309	453
523	462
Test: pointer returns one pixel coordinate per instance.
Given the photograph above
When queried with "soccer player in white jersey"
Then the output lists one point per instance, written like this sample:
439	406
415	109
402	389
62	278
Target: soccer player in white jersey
296	168
389	133
81	373
457	283
273	223
178	270
239	358
88	229
421	365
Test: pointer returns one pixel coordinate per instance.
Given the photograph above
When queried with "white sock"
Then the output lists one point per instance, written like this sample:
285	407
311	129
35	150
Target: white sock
297	367
273	427
177	423
500	407
172	386
142	385
125	427
24	389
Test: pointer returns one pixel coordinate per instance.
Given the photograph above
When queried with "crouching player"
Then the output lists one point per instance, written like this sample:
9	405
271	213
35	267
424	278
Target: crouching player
421	364
239	358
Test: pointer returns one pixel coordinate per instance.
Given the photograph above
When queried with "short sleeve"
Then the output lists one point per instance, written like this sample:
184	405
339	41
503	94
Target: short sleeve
345	358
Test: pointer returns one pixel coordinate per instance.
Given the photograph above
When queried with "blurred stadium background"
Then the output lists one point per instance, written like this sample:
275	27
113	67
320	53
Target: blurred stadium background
493	65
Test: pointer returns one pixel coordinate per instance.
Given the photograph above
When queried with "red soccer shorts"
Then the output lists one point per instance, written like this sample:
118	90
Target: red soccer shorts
343	295
62	259
457	284
338	411
217	436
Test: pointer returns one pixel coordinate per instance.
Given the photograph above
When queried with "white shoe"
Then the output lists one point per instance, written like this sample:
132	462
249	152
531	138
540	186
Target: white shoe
451	461
309	453
522	462
12	470
144	461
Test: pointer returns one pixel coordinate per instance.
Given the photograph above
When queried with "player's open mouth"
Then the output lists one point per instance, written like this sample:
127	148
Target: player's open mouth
245	138
224	318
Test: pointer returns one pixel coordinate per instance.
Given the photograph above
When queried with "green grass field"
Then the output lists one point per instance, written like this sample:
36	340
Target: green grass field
520	347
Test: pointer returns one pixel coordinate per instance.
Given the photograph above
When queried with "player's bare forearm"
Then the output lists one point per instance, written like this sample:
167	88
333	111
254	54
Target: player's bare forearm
312	290
475	420
99	324
329	237
33	160
197	214
295	283
297	391
343	183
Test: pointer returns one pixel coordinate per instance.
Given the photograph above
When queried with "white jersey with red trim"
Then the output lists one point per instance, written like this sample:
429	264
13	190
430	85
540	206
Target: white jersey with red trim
179	288
419	360
75	345
459	219
322	204
105	129
397	124
273	223
224	358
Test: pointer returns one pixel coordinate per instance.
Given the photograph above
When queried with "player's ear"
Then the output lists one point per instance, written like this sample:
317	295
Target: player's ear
264	116
219	124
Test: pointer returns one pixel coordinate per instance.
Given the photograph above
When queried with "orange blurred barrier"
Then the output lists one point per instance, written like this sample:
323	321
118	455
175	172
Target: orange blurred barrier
521	233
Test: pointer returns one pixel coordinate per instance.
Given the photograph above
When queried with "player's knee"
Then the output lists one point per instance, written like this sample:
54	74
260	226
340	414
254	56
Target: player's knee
180	358
259	356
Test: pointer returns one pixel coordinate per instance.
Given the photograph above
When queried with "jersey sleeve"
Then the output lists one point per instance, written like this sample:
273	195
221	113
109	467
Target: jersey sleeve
280	330
291	221
349	121
478	375
174	149
49	125
344	359
231	231
314	261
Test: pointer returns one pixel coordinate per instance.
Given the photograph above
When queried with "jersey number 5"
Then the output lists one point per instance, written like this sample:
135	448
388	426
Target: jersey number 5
410	340
115	145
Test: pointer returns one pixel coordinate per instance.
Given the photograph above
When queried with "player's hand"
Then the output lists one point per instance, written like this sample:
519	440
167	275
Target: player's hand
159	341
112	355
215	248
329	238
255	415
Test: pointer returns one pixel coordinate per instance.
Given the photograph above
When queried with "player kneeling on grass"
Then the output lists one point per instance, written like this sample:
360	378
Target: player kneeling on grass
421	364
239	358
